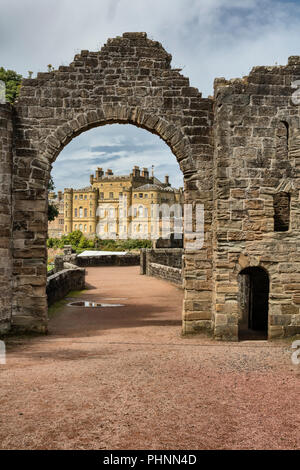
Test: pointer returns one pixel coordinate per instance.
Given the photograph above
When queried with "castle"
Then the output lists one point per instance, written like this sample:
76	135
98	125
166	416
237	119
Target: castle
115	206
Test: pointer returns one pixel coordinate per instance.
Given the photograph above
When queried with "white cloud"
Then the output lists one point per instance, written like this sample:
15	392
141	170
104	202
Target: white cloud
119	147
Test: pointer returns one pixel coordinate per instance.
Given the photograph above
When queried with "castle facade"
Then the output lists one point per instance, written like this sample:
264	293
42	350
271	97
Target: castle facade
116	206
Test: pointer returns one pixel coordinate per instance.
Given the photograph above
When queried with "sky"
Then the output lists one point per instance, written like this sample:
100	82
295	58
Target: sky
207	39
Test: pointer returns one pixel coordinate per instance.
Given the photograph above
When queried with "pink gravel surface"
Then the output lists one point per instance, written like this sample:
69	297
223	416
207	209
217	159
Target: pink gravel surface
124	378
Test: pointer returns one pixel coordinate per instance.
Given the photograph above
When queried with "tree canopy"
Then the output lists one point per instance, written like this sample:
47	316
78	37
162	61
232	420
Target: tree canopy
12	82
52	208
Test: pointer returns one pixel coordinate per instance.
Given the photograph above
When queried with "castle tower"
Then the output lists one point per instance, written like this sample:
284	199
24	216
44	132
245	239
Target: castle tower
68	210
92	219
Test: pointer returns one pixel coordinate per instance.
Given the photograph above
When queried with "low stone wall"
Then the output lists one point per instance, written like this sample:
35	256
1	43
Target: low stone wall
131	259
165	272
164	263
61	283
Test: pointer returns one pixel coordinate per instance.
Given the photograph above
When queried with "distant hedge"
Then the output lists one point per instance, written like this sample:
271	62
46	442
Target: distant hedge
80	243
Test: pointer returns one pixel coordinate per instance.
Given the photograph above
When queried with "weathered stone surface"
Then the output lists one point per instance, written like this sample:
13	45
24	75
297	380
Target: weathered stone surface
6	123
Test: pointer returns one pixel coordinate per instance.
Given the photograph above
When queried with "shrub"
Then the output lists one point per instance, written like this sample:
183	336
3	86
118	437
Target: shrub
79	243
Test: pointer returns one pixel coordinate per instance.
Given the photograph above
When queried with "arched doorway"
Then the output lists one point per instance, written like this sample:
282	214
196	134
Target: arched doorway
129	81
253	303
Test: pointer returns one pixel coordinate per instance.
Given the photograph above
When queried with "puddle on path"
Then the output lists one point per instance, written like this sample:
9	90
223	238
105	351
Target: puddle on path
86	304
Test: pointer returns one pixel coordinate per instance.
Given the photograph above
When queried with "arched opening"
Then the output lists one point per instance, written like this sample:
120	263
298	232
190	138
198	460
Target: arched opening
96	173
133	154
59	105
253	303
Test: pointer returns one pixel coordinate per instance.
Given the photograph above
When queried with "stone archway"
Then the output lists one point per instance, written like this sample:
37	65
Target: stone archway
129	81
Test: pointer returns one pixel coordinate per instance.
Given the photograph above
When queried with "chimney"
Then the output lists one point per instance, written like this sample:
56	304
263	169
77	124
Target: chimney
167	180
109	172
59	194
91	179
99	173
136	171
145	173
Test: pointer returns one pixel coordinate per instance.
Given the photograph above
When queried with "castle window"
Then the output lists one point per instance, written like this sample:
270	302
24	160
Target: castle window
146	212
81	196
75	196
85	228
75	226
101	195
281	212
80	212
140	195
146	195
90	228
85	196
80	227
140	211
111	195
85	212
135	195
75	213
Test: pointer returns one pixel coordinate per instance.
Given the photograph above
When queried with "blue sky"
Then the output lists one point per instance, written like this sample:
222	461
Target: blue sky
207	38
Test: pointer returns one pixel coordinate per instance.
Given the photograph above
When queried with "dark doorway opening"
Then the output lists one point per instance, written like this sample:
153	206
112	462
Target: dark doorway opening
253	303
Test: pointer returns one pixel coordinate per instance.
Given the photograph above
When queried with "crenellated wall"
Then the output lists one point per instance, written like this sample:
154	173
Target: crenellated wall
6	131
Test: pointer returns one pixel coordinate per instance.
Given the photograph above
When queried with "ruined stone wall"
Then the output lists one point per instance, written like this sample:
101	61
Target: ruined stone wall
167	273
164	263
63	282
257	156
165	256
5	216
129	81
248	185
130	259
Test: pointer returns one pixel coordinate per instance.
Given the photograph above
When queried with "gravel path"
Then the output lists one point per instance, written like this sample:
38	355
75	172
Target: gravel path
124	378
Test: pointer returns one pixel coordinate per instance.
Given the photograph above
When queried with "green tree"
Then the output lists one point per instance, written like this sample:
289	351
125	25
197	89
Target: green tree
52	208
12	82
